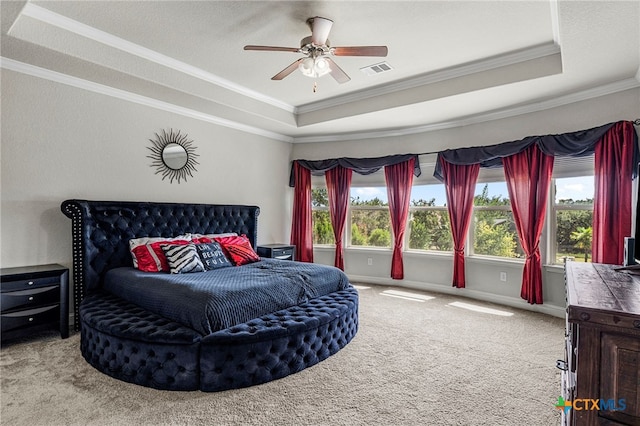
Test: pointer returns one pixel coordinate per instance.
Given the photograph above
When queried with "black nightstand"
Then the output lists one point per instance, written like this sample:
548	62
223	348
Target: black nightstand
34	298
277	251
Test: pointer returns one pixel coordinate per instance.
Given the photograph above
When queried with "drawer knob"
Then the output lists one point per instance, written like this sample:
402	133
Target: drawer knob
30	319
30	298
30	283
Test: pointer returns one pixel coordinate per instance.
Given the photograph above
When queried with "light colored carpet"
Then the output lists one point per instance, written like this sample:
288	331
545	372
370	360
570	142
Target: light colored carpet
411	363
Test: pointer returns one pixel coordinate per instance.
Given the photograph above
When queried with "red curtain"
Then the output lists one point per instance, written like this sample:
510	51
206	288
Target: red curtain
338	185
399	178
528	176
460	185
301	223
612	198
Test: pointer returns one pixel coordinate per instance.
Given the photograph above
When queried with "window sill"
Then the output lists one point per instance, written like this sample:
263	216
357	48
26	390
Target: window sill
556	269
369	248
323	247
490	260
493	260
428	253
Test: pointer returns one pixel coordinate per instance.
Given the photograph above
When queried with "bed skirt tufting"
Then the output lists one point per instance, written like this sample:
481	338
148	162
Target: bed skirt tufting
136	346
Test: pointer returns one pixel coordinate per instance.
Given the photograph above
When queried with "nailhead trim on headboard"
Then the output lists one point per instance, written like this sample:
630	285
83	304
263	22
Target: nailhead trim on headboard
101	231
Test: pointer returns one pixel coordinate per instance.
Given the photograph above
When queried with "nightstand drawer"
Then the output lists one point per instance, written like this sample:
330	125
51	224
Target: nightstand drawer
29	283
30	317
30	298
282	254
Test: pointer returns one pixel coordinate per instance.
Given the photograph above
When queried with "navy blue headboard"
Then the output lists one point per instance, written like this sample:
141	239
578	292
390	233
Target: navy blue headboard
101	231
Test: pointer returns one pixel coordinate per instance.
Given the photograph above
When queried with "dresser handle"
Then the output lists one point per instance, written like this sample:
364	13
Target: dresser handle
30	298
30	319
30	283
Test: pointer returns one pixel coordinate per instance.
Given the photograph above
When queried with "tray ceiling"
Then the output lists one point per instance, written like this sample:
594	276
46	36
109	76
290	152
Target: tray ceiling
454	62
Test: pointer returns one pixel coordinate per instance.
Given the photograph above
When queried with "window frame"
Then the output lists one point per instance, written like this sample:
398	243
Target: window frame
552	218
319	208
470	241
407	232
348	236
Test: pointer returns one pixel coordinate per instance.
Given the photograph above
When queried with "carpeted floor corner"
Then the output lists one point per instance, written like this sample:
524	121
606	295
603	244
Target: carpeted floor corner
414	361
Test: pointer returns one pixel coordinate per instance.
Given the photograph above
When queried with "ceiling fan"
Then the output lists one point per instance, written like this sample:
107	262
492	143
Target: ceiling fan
317	51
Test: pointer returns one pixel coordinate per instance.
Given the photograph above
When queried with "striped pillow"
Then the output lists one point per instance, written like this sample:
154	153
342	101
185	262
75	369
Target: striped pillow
183	259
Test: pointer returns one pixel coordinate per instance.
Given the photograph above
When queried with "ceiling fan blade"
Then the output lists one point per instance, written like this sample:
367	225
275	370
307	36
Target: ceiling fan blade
288	70
337	73
272	48
360	51
320	28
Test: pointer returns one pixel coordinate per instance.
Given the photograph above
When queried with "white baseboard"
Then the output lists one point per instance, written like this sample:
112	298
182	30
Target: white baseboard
553	310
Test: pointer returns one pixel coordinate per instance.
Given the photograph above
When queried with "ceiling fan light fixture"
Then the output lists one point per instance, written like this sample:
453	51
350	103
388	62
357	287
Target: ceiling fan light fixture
321	66
314	67
306	66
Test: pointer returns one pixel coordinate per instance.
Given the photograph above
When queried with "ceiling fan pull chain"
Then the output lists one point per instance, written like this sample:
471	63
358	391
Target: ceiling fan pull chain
315	86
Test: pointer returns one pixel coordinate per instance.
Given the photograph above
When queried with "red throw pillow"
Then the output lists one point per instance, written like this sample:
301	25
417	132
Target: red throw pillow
150	257
233	239
240	252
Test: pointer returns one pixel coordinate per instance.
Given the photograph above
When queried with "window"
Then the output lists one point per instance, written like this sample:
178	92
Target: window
322	229
493	228
492	231
429	227
370	221
572	218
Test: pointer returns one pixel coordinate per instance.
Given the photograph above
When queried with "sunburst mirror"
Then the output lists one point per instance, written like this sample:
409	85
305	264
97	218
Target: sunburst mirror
173	155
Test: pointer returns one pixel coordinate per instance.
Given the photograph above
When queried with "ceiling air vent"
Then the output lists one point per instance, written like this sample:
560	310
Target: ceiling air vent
376	68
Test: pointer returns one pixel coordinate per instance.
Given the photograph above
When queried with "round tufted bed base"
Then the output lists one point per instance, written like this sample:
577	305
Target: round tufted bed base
134	345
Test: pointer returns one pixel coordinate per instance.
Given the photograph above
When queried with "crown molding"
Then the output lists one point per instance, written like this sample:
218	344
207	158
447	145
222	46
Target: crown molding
555	21
457	71
34	71
46	74
607	89
44	15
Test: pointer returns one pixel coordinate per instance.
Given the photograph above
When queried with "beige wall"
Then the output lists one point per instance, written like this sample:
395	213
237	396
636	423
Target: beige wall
60	142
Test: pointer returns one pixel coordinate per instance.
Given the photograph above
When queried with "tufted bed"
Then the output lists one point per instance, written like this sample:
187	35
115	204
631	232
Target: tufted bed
138	344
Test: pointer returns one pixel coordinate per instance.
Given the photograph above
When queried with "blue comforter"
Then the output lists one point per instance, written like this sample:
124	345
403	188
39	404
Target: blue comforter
218	299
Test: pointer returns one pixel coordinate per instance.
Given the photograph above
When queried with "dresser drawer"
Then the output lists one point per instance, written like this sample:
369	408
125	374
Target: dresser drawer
30	317
28	283
30	298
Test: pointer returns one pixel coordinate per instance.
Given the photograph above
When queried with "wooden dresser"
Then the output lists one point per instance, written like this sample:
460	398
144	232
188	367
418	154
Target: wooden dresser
602	346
